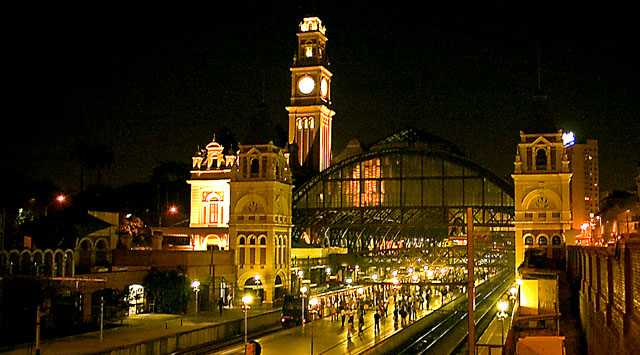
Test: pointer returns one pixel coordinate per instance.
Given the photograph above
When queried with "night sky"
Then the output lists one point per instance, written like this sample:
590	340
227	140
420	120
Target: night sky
154	83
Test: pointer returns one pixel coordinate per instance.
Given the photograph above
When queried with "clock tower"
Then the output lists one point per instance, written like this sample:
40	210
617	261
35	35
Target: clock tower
310	118
541	180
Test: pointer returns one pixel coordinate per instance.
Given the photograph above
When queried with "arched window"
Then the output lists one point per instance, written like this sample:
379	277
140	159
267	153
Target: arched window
528	240
213	209
541	159
556	240
255	167
542	240
252	250
263	250
241	250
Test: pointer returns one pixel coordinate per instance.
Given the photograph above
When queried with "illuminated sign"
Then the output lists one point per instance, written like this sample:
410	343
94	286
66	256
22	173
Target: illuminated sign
568	139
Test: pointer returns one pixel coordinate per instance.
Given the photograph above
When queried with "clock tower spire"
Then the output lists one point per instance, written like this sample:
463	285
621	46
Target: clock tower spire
310	115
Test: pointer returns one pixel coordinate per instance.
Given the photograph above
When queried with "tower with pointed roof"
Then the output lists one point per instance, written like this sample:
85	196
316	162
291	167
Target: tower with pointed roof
210	196
310	115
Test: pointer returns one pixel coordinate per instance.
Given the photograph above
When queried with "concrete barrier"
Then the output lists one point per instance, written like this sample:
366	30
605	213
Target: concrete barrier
206	335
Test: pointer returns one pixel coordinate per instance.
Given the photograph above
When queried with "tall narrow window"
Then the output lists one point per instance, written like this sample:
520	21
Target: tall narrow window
263	250
241	251
541	159
255	167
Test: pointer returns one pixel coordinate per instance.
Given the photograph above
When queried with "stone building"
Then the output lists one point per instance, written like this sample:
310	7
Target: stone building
260	224
542	195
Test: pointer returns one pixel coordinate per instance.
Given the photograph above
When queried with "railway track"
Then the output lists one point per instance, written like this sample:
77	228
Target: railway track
450	320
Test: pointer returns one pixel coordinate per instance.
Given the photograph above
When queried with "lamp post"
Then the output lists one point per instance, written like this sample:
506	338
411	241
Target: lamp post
246	300
196	288
60	199
513	291
303	291
628	211
502	314
300	274
313	302
101	317
374	277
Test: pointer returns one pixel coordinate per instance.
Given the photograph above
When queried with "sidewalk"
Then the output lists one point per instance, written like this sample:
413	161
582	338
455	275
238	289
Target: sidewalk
135	329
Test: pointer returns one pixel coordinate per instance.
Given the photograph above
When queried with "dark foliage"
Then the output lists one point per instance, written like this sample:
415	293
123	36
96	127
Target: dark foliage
168	289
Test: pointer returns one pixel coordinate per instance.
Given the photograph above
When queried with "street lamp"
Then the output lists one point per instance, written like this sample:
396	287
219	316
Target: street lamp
513	291
60	199
196	288
502	314
303	291
628	211
246	300
300	274
313	302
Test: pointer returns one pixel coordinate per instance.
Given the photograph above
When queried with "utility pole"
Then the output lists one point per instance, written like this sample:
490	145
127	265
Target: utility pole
38	329
471	291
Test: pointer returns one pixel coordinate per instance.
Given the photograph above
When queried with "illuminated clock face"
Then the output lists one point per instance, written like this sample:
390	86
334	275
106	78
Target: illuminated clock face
324	87
306	84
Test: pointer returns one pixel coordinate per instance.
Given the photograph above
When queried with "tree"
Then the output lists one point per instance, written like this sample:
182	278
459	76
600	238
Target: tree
169	289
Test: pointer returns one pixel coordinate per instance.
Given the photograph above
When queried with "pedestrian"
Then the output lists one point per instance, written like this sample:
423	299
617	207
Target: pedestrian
414	314
428	299
350	326
360	322
220	305
376	322
403	315
343	314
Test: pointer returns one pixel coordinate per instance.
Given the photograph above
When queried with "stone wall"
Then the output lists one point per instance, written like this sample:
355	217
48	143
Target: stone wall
608	282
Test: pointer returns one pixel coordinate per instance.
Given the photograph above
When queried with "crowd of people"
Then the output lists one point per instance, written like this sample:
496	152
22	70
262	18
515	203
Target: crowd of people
402	303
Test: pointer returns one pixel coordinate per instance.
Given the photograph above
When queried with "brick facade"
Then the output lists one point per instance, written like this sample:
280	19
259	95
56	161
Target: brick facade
608	282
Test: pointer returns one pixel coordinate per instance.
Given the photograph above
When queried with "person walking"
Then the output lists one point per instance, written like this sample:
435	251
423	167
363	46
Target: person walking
376	322
220	305
403	315
343	314
360	323
350	326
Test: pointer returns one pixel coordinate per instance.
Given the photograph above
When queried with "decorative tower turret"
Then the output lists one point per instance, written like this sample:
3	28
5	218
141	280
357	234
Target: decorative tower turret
542	195
260	224
310	116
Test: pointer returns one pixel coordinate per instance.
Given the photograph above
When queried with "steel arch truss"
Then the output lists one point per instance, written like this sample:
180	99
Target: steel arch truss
399	197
